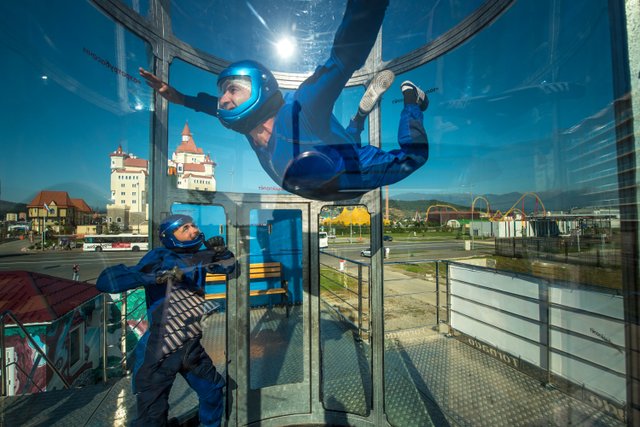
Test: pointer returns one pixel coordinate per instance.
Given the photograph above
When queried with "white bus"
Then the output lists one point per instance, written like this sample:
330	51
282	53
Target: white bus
115	242
323	239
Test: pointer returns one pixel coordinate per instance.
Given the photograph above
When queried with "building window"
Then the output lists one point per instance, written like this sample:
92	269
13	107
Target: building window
118	219
76	344
123	193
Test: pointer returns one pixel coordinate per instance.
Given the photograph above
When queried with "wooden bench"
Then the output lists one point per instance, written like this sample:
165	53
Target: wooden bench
258	271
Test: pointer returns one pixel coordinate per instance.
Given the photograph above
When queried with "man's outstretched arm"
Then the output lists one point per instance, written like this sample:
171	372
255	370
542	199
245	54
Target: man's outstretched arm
203	102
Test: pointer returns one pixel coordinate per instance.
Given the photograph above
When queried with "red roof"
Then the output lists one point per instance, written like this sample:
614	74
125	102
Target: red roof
40	298
193	167
188	146
81	205
61	199
135	162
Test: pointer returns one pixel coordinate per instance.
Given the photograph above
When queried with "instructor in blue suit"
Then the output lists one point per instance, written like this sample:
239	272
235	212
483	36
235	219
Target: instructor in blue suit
173	277
298	141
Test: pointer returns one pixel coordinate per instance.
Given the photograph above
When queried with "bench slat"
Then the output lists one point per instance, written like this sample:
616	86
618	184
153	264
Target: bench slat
257	271
274	291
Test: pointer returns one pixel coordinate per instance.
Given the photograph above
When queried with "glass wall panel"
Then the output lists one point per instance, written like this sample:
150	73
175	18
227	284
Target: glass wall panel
290	36
79	127
212	221
344	308
204	154
276	319
75	163
139	6
411	25
520	194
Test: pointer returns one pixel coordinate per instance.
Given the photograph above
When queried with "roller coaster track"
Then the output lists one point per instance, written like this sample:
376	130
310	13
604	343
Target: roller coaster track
439	206
473	205
499	216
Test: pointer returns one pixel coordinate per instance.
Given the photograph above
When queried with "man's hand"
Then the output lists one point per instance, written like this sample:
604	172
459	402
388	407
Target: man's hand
216	244
165	275
166	91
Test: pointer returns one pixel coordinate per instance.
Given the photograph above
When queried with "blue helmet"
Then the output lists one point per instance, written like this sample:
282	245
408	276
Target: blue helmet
265	99
169	225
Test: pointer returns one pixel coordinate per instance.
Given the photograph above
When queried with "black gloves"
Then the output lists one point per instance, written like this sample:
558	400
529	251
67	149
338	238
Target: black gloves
216	245
165	275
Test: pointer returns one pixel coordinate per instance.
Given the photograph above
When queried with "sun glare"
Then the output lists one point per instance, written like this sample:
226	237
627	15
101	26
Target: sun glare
285	47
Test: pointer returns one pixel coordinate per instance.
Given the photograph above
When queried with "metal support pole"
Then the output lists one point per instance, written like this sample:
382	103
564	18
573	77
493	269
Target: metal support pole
104	337
545	330
437	293
448	294
123	327
360	300
3	362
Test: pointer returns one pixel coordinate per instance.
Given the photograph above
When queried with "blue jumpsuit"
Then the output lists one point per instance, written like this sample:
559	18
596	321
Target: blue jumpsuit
309	153
171	345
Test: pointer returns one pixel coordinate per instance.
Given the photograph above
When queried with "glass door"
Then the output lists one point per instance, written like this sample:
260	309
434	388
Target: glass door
272	314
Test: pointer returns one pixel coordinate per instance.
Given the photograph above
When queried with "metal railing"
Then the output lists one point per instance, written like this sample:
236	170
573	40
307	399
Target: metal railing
125	310
417	286
407	287
351	294
566	334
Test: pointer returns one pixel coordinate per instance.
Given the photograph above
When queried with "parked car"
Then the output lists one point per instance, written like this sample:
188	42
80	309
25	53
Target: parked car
387	238
366	252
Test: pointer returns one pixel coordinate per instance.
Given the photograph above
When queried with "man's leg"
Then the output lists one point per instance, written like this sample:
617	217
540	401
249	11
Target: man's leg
152	384
352	44
411	133
378	167
202	377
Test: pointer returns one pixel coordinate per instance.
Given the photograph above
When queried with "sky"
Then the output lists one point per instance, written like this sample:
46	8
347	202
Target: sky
497	102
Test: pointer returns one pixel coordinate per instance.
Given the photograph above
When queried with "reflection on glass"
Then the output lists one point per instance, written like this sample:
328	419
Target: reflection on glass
139	6
297	140
283	35
75	105
344	305
204	154
86	84
521	194
277	326
431	20
212	221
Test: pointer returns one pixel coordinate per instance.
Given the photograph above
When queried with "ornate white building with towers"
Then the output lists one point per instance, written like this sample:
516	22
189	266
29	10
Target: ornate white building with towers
129	209
194	169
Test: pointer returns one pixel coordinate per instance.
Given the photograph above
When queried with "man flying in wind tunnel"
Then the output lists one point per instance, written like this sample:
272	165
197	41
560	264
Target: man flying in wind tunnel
298	141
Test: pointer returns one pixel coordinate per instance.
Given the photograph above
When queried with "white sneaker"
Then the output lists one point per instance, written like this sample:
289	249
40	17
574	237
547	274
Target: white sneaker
378	85
420	96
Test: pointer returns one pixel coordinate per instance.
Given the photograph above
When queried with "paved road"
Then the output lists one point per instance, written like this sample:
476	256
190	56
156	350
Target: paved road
59	263
408	250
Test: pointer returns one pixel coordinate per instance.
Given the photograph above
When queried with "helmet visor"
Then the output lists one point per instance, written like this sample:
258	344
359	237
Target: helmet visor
233	91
